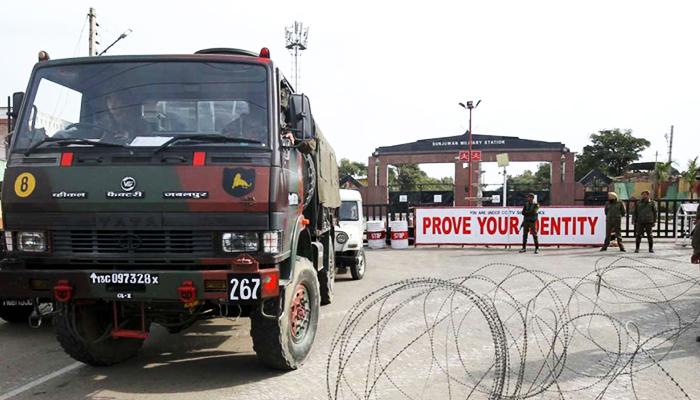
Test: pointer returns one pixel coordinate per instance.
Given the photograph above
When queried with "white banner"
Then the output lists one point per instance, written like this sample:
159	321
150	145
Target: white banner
566	226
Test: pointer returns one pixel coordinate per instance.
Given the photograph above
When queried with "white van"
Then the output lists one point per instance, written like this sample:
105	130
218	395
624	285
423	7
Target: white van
349	241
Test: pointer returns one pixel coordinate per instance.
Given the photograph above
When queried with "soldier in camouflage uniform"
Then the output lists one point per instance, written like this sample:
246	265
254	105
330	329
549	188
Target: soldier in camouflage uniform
614	211
696	242
644	218
696	231
530	210
695	258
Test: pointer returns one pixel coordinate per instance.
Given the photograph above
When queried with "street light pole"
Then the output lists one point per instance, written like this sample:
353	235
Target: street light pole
470	106
122	36
469	143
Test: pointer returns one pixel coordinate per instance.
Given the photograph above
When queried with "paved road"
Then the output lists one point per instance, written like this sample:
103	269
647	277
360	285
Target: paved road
214	360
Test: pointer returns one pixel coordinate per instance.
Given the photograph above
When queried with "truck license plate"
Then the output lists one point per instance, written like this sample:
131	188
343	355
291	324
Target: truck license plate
123	278
243	287
16	303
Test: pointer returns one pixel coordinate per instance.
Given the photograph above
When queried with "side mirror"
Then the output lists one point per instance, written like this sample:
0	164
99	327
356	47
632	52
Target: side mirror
300	116
17	99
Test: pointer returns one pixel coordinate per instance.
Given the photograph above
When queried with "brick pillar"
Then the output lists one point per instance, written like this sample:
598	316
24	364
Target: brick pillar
461	176
556	190
377	181
569	195
371	187
383	181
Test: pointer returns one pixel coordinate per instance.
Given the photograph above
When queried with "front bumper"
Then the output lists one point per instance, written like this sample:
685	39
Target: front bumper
354	243
211	285
347	258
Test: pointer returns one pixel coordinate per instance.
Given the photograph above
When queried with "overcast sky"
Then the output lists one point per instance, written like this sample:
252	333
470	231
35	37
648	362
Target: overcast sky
381	73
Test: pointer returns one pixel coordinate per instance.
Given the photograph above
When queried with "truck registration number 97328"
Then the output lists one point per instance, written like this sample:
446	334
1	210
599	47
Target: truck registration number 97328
126	278
243	288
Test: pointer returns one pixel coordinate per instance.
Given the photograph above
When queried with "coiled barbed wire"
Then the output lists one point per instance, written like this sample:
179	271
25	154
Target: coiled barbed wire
508	332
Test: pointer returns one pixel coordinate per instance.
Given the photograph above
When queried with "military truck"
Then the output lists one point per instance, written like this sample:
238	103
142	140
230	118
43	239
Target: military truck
166	190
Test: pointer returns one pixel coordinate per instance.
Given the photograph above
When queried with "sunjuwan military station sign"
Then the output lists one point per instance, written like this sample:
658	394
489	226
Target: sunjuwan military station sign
565	226
467	159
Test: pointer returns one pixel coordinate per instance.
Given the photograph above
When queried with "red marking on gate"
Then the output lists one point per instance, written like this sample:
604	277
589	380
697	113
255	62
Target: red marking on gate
464	155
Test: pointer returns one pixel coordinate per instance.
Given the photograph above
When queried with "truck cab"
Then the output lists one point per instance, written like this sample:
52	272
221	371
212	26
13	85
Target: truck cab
168	189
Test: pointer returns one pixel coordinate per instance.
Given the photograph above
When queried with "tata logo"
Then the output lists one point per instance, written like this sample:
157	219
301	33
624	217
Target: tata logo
129	242
238	181
111	221
128	184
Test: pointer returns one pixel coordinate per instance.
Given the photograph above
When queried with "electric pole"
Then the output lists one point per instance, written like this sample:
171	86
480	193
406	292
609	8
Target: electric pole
92	36
670	146
297	38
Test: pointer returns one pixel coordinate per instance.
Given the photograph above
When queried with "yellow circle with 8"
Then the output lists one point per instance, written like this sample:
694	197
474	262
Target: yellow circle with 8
25	184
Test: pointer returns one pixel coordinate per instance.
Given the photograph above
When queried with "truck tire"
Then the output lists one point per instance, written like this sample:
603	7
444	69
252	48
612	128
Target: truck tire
92	344
284	342
357	270
15	314
326	276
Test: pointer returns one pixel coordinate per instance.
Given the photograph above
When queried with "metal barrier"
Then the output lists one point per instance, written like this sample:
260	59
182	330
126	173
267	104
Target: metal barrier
668	223
388	213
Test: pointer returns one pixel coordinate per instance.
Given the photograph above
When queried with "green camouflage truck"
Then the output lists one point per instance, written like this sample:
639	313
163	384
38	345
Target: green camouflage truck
165	190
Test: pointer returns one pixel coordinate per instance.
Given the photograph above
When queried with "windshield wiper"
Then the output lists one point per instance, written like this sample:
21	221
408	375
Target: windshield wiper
199	137
68	141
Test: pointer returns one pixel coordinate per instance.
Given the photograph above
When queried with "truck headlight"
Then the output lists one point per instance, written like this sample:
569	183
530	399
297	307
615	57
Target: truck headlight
232	242
31	241
271	242
8	242
341	237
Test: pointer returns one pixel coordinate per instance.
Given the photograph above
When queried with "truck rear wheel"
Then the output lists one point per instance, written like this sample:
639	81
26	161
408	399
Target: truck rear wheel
84	332
15	314
284	342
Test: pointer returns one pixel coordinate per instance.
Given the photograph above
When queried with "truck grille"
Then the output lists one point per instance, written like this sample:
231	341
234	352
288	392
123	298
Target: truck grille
132	242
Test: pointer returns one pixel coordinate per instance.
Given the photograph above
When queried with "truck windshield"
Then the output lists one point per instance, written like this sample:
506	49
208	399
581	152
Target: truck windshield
349	211
145	104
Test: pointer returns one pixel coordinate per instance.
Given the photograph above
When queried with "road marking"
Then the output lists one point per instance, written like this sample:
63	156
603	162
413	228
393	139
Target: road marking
40	381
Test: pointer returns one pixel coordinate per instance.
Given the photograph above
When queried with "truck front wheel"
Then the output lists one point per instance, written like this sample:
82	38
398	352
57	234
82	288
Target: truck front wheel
357	269
283	342
84	332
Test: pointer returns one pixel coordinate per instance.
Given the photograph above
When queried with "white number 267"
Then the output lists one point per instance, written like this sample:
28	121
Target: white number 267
244	289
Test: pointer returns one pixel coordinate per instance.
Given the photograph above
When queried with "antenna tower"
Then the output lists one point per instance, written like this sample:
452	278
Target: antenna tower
296	37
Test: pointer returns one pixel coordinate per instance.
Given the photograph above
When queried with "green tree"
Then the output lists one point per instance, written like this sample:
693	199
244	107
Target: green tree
690	174
662	173
444	183
409	177
352	168
528	180
543	175
611	151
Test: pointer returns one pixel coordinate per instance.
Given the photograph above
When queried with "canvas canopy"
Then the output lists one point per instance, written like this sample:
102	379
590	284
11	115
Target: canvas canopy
326	171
